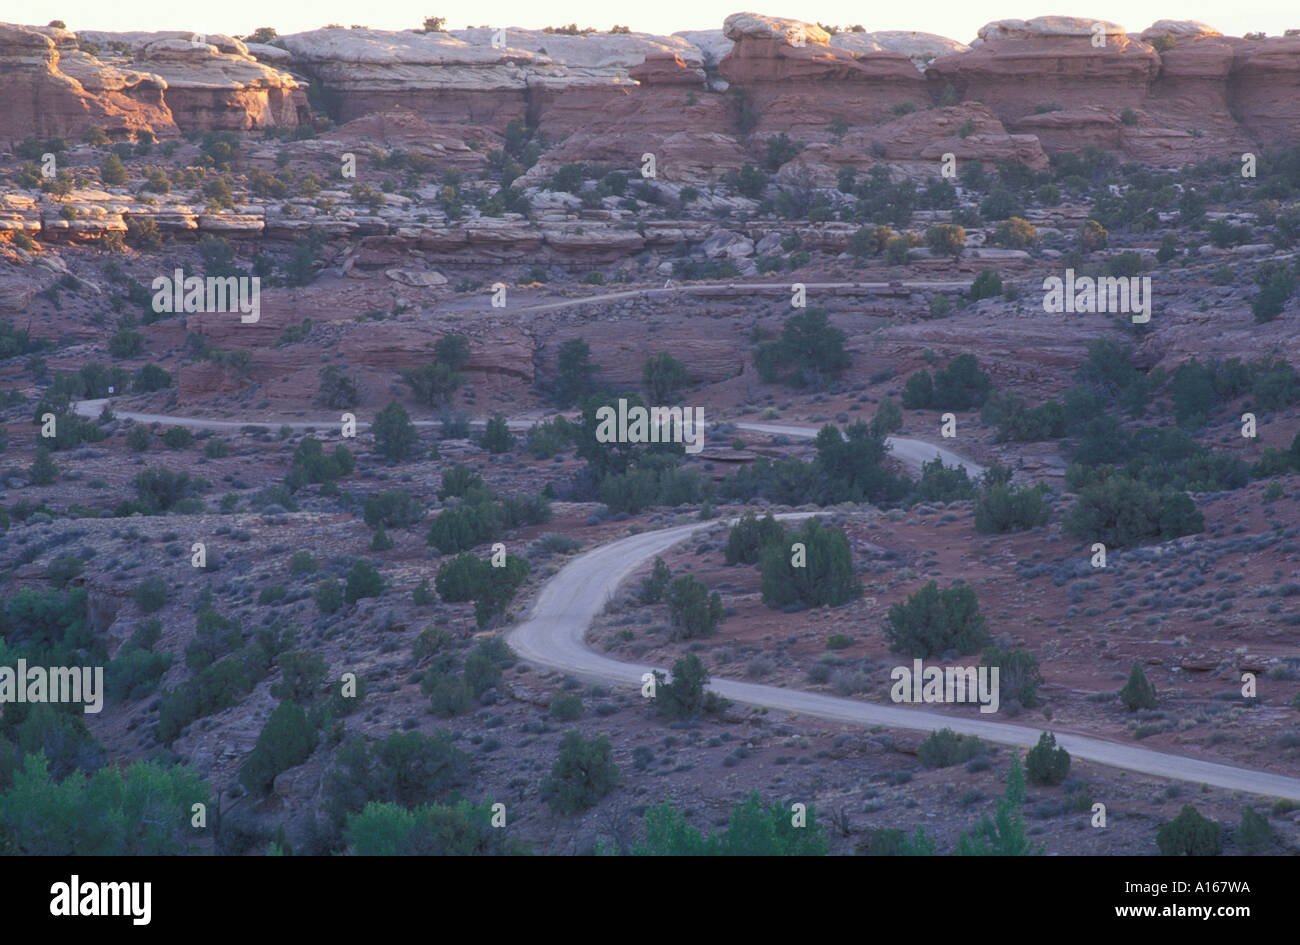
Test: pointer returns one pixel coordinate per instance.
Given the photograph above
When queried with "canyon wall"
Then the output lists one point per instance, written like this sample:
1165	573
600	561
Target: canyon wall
1176	92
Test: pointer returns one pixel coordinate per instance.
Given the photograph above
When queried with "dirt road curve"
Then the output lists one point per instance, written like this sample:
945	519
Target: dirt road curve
554	634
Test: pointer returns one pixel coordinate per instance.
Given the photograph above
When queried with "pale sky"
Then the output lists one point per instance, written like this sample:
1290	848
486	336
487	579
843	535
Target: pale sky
957	19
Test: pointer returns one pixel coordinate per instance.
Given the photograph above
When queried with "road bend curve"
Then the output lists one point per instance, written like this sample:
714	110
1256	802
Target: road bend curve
554	635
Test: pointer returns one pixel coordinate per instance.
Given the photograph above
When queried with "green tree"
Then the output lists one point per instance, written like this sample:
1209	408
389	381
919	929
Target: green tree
433	384
808	351
1045	763
460	829
1001	507
44	471
686	697
337	390
583	773
818	575
655	584
662	376
328	596
1137	693
393	508
112	172
946	239
1004	835
755	830
692	611
363	581
1255	835
987	285
575	373
150	594
1190	834
395	436
750	536
287	740
143	810
497	437
931	622
1018	673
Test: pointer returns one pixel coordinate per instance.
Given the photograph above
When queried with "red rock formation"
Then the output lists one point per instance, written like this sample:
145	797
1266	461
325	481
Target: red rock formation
1264	89
42	100
797	83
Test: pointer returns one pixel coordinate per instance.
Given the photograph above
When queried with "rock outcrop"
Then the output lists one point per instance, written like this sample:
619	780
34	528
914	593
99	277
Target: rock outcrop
44	100
61	84
796	82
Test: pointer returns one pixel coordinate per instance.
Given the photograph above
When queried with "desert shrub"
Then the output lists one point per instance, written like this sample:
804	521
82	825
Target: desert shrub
1002	507
685	697
150	378
826	577
940	483
497	437
392	508
464	526
693	612
946	239
178	438
1119	512
1018	673
808	352
1255	835
583	773
887	419
363	581
328	596
575	373
1019	422
1190	834
945	748
662	376
754	830
150	594
1137	693
337	390
287	740
395	436
656	582
750	536
932	621
1045	763
548	437
987	285
565	708
160	490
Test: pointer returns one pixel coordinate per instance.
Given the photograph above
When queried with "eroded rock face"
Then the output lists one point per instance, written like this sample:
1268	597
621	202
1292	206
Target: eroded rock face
1264	87
1178	92
798	83
159	82
42	99
222	87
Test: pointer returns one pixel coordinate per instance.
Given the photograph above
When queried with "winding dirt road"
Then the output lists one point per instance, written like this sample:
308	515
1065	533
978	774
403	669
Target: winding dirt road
554	635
